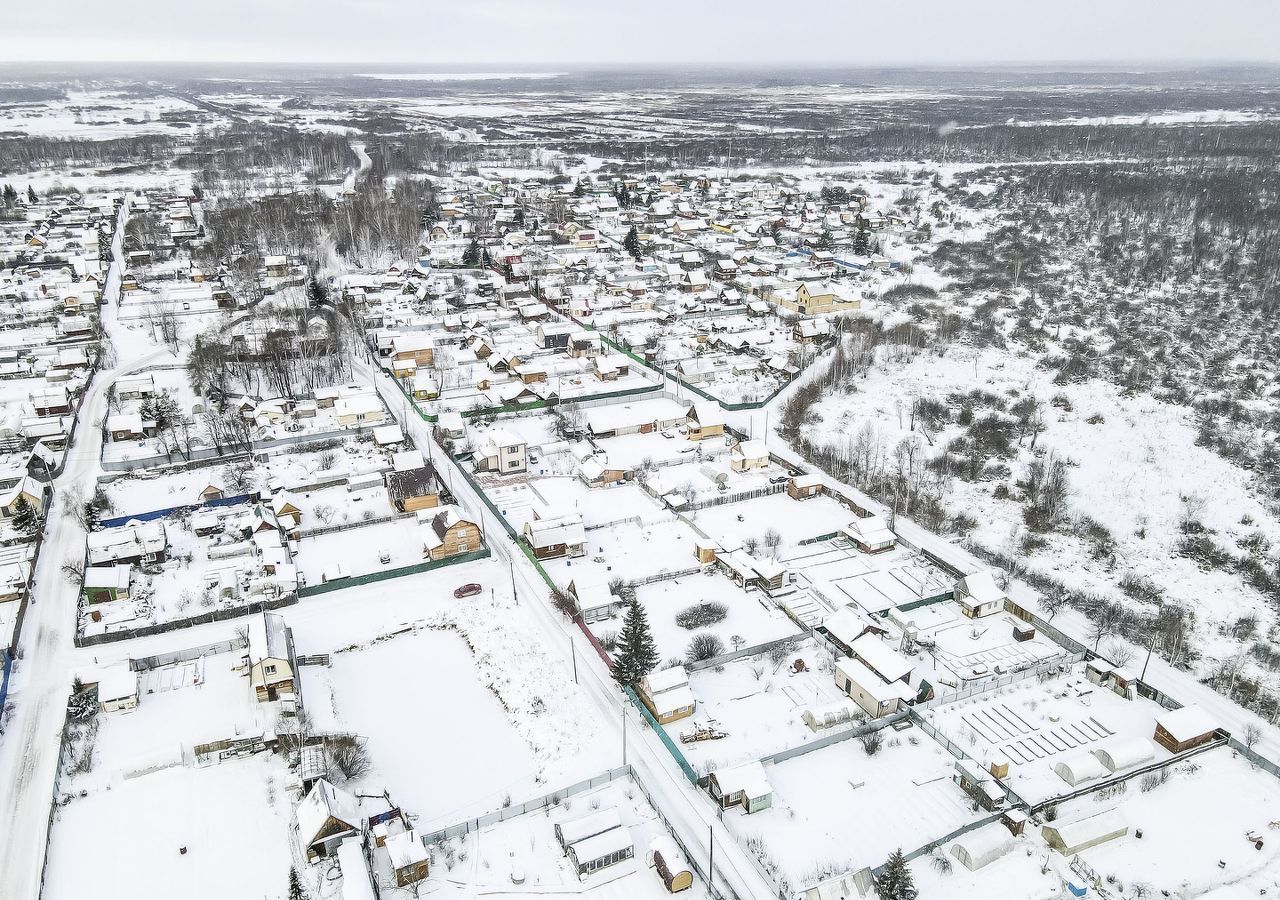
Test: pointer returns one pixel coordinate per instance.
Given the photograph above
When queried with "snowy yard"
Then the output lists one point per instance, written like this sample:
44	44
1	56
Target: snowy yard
483	863
838	809
360	550
759	704
796	520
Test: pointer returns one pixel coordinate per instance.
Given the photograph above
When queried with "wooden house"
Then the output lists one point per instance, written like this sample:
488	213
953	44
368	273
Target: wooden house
558	536
744	785
1183	729
747	455
408	856
271	659
448	534
870	534
978	595
667	695
412	489
705	419
802	487
326	817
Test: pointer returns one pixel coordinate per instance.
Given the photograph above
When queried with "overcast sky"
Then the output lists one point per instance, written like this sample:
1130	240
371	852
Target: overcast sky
745	32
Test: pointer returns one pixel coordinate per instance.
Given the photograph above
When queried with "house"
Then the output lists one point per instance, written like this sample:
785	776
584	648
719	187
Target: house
410	490
748	455
118	689
1072	837
136	542
447	533
667	695
25	489
52	400
1185	728
816	298
555	537
425	386
744	786
802	487
575	830
270	657
601	851
129	427
748	571
870	534
450	426
808	331
409	858
359	409
643	417
593	597
103	584
408	351
554	335
705	419
277	266
882	659
594	473
209	492
502	452
866	688
978	595
326	817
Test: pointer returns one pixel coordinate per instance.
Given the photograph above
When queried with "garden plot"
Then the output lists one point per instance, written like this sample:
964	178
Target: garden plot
1037	724
150	489
361	550
758	702
336	505
1202	814
751	616
635	450
971	648
873	583
398	694
796	520
634	552
297	469
839	809
485	862
695	479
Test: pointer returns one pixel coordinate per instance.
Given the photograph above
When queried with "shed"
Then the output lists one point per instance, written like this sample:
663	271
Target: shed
326	816
1125	754
1182	729
982	846
357	883
569	833
118	689
1078	769
1072	837
601	851
802	487
744	786
666	859
979	595
409	858
886	662
870	534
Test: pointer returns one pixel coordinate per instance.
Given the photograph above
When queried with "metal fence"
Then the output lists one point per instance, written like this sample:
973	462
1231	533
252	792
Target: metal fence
159	660
217	615
218	454
829	740
739	497
676	753
987	685
348	526
555	798
387	574
793	641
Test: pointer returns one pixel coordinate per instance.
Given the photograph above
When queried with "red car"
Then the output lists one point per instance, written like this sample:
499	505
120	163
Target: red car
467	590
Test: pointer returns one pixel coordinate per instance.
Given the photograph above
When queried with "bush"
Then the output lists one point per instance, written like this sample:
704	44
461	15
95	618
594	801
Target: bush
347	753
872	742
701	615
704	645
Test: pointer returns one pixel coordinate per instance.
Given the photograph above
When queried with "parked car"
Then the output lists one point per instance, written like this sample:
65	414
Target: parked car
467	590
779	479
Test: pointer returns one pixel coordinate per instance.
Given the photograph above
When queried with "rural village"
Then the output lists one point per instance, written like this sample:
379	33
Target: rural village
492	570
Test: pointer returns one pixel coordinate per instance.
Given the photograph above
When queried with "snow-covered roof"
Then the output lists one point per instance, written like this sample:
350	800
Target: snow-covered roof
323	802
356	884
565	529
268	637
980	588
871	683
888	663
583	827
1091	828
117	683
748	778
1125	754
107	577
983	845
1080	768
665	680
1187	723
751	450
405	849
598	846
870	531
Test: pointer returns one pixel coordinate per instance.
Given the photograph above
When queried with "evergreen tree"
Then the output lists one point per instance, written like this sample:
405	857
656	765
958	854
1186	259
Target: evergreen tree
637	650
471	256
518	216
485	259
862	243
631	243
31	194
579	190
295	885
895	883
25	519
91	518
826	242
10	195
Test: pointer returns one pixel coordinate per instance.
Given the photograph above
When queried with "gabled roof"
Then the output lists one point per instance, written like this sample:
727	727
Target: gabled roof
324	802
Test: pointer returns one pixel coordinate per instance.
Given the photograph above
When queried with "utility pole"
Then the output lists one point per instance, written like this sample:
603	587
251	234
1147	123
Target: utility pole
573	652
711	856
624	732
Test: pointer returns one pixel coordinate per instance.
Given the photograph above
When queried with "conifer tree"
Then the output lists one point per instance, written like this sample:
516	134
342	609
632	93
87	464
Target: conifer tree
25	519
31	194
471	256
631	243
295	885
895	882
637	650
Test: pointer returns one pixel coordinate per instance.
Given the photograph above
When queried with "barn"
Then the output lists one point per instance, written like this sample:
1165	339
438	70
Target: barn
1185	728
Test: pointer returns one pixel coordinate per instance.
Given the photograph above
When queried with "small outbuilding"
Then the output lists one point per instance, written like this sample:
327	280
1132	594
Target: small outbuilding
1078	769
601	851
979	595
666	859
118	689
409	858
802	487
744	786
1185	728
870	535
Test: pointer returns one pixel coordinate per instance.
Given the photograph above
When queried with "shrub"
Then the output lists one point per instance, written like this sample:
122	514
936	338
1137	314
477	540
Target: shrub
701	615
872	742
704	645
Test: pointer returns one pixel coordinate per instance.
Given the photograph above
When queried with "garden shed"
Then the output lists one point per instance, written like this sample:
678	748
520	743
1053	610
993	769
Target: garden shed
569	833
670	865
601	851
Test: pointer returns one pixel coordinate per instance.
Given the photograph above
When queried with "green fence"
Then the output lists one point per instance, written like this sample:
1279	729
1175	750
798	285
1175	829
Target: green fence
386	574
820	538
676	753
927	601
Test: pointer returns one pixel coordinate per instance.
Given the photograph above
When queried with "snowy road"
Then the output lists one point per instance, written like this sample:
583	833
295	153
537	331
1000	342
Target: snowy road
689	810
42	678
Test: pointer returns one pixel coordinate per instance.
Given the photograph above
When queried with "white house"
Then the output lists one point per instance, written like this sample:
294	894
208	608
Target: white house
978	595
